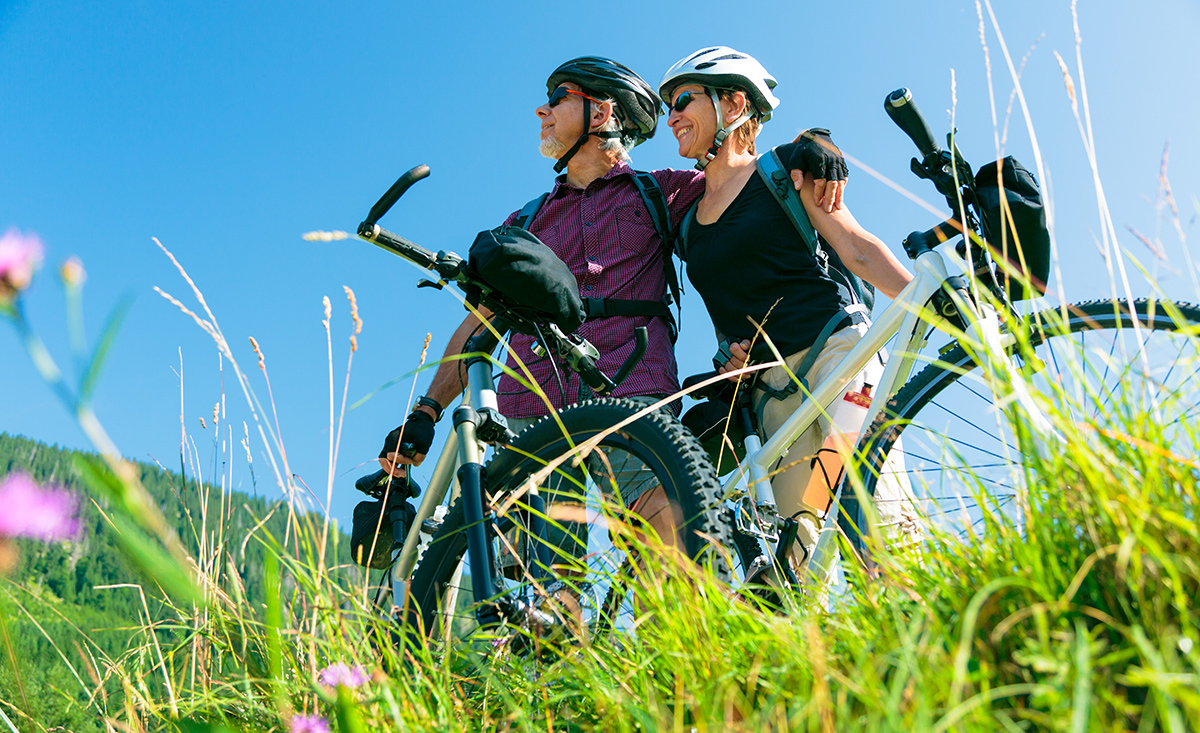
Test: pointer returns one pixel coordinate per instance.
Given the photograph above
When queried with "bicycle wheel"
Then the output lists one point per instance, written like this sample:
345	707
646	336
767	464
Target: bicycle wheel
1091	365
655	450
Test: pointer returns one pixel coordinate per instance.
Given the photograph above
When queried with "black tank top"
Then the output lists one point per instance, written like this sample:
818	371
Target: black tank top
752	261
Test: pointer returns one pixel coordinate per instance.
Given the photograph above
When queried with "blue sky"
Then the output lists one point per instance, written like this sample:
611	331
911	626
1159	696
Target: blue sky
228	129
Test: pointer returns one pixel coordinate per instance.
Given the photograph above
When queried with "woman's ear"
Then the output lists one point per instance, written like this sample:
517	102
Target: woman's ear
739	105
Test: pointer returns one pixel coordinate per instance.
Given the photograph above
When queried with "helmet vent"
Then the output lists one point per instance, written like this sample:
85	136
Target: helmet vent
700	53
705	65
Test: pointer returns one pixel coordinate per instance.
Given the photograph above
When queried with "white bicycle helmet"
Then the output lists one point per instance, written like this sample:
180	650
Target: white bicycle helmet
717	68
721	67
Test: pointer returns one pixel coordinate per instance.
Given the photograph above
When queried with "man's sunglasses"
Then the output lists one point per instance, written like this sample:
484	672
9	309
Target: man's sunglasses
560	93
685	99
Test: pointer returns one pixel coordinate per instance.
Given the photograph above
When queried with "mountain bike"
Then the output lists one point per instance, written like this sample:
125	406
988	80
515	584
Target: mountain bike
500	529
974	404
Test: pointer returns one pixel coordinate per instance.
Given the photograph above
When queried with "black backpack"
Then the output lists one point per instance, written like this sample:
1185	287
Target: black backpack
528	276
656	205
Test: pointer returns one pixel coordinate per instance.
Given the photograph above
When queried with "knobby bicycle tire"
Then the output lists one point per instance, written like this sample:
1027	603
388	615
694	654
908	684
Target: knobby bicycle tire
960	455
669	451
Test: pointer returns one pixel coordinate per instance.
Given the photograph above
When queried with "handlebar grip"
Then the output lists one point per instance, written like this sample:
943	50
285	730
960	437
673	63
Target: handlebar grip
903	111
594	378
397	244
641	340
394	193
369	483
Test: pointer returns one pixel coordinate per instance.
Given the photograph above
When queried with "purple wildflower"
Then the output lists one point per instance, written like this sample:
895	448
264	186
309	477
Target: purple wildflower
27	510
309	724
20	254
339	673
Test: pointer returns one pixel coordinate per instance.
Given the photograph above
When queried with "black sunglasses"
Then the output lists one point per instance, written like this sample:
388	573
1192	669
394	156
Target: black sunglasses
560	93
685	99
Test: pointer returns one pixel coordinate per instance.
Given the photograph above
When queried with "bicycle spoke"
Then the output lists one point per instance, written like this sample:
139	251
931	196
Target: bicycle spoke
1097	372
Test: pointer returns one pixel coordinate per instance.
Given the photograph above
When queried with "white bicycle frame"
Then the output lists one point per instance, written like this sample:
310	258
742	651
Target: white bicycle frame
909	316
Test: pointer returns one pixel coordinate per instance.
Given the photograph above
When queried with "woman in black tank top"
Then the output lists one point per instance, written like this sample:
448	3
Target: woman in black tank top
749	263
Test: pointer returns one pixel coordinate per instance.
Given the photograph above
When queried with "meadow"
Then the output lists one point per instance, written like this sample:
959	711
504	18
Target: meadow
198	609
1074	614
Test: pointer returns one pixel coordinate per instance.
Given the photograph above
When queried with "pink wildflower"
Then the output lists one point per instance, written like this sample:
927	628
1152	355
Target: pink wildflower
339	673
19	255
308	724
39	513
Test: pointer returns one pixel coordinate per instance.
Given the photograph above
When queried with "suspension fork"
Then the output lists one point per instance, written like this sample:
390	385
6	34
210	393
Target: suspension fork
469	421
475	422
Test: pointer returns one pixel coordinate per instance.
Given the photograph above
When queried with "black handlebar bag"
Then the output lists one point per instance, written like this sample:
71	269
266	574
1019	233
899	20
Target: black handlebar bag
529	278
1024	240
378	528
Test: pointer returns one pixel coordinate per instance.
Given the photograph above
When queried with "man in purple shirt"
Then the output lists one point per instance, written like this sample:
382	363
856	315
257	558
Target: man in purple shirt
595	220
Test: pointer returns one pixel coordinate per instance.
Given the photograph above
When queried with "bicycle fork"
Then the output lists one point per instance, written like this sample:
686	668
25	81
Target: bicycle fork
476	423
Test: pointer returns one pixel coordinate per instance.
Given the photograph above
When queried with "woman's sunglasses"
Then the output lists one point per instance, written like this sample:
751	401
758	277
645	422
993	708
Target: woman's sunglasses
560	93
685	99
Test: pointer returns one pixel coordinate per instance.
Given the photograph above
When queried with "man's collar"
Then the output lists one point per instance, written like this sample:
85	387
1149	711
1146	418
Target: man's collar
622	168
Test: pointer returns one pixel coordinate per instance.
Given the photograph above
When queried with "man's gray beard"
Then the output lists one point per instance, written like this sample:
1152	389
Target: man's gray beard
552	147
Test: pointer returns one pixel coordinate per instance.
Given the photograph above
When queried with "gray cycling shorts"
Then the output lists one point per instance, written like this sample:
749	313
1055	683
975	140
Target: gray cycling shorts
626	477
632	477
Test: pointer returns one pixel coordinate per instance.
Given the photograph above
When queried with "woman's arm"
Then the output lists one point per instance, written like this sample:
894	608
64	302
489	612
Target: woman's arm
862	252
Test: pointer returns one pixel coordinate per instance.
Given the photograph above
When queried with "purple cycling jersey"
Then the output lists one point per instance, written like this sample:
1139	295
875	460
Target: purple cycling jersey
606	237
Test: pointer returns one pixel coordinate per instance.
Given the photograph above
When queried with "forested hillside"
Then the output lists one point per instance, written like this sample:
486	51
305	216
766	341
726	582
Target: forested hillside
64	622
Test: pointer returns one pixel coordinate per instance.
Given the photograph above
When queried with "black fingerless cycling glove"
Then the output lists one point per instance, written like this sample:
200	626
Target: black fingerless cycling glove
417	436
820	157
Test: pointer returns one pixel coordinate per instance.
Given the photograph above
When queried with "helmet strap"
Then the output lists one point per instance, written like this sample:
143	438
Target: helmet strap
719	138
587	116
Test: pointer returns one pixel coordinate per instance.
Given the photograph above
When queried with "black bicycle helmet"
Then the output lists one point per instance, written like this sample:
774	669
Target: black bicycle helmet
638	107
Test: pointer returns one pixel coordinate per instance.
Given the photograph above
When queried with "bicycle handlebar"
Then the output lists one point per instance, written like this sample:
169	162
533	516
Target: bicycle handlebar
904	112
397	244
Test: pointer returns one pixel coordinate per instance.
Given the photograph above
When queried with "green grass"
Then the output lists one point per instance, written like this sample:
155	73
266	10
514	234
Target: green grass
1077	615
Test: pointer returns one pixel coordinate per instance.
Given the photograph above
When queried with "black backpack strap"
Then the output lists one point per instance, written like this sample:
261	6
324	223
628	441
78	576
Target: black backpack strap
779	183
681	244
606	307
656	204
530	210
